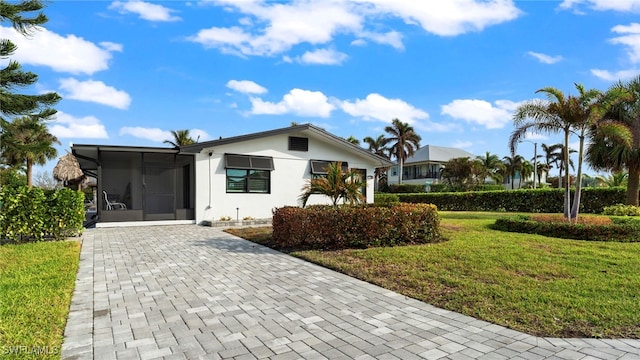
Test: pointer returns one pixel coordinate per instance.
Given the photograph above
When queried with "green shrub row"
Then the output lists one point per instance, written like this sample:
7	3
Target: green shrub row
36	214
448	188
621	210
324	227
593	200
384	199
406	188
621	231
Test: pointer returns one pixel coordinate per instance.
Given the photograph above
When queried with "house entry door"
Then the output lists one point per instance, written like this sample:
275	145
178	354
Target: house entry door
159	191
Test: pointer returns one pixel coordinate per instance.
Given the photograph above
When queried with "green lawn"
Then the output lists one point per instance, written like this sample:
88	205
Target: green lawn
36	285
539	285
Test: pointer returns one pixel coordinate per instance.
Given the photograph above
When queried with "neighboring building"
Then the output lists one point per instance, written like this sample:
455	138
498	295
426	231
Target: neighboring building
237	177
425	164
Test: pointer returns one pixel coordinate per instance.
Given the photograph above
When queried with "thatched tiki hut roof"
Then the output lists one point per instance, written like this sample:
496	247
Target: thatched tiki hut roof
68	171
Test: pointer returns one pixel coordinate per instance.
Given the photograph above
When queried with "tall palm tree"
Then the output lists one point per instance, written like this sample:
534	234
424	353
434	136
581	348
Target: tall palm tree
404	142
337	185
492	167
512	165
608	151
617	178
180	138
379	147
551	156
26	140
559	113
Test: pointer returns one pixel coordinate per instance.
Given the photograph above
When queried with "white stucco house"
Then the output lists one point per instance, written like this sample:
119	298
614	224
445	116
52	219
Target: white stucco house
236	177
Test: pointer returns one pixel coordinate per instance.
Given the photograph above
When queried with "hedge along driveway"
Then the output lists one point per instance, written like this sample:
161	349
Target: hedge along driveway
593	200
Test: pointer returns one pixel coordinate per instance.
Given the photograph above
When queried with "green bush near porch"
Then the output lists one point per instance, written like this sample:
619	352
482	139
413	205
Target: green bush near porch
325	227
34	214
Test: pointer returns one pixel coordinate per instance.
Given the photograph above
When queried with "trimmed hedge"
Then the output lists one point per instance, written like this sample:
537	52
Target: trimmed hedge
621	210
620	231
325	227
36	214
406	188
382	199
593	200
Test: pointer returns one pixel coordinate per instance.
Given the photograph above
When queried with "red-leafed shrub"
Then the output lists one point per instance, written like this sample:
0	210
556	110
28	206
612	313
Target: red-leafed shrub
325	227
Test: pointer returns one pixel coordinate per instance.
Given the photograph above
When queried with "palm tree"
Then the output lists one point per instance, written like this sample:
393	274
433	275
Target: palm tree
512	165
26	140
180	138
405	141
378	147
352	139
552	154
526	170
492	167
559	113
617	178
610	151
463	173
337	185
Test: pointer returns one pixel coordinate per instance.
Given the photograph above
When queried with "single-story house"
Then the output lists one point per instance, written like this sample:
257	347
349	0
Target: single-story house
239	177
425	164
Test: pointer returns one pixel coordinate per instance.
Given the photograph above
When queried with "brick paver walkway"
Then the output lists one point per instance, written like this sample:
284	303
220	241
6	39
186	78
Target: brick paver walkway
191	292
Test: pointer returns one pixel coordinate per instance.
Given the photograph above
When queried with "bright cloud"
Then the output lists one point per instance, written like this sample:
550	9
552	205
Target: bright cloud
67	126
462	144
146	10
491	116
199	135
603	5
69	53
271	28
246	87
153	134
630	38
615	76
378	107
322	57
544	58
448	18
95	91
298	102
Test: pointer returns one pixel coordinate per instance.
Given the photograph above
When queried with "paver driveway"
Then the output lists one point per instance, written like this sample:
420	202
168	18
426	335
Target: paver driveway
190	292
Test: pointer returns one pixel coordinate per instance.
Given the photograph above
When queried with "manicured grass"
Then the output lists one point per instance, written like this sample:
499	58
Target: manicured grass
535	284
36	285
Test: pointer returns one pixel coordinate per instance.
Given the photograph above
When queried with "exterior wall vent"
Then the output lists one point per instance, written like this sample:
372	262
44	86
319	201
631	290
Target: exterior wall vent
298	143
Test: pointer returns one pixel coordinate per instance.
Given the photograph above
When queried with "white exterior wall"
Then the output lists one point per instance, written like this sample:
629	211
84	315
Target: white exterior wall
292	170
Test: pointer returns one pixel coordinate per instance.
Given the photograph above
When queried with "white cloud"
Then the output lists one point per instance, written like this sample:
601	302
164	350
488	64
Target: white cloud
544	58
359	42
491	116
246	87
95	91
271	28
153	134
322	57
298	102
68	53
378	107
534	136
146	10
199	135
67	126
462	144
630	39
603	5
448	18
615	76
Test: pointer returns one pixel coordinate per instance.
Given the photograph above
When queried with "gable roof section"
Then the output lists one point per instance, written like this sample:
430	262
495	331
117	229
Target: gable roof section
437	154
304	129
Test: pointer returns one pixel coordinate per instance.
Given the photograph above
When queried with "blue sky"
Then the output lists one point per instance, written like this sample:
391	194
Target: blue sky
131	71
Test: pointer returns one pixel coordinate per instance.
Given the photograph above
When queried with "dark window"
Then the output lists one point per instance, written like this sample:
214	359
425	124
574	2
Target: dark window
298	143
248	173
248	181
319	167
248	162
